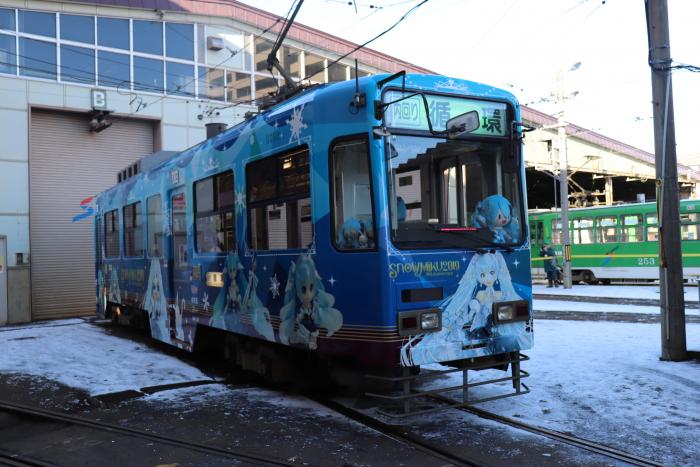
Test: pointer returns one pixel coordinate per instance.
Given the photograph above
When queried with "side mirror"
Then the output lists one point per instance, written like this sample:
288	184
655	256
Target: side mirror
461	124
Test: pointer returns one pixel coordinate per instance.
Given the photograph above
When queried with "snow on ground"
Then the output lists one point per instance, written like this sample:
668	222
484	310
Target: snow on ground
84	356
649	292
588	307
604	381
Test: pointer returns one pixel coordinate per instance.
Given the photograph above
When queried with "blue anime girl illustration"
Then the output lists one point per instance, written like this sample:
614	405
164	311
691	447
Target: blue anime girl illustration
466	315
114	294
307	306
495	213
238	302
156	305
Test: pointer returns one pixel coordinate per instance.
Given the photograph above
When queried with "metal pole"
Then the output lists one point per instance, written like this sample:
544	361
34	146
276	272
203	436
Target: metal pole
673	343
563	183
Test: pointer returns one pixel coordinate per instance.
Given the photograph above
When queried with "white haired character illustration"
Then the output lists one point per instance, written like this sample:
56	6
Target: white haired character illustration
307	306
259	314
114	295
466	314
156	305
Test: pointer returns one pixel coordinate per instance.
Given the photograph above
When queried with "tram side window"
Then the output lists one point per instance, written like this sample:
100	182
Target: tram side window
583	231
689	226
154	226
214	214
652	228
352	196
112	234
556	231
279	201
607	229
632	228
133	231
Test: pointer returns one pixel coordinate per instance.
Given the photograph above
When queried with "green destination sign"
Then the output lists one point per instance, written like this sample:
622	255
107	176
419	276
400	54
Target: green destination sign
410	113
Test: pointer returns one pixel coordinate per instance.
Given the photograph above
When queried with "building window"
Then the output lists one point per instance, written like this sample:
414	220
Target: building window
632	228
237	87
148	37
77	64
352	196
148	75
337	72
78	28
37	58
211	83
154	226
583	231
265	86
652	228
606	229
113	33
279	201
180	79
263	47
179	41
314	67
133	231
37	23
214	214
113	69
358	73
112	234
7	54
291	61
7	19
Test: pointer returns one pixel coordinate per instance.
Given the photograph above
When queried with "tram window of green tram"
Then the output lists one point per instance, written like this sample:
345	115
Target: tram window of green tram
112	234
279	201
632	228
556	231
607	230
133	230
689	226
652	228
154	226
583	230
214	214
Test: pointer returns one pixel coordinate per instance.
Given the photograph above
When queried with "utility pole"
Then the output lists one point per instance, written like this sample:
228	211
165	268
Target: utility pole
564	179
673	343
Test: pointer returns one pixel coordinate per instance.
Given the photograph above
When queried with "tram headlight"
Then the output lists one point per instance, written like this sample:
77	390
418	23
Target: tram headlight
430	321
509	312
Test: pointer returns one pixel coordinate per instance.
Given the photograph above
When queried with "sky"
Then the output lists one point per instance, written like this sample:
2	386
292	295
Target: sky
522	44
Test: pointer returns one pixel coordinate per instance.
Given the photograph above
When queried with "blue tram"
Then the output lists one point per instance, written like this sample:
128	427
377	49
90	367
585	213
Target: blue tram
381	220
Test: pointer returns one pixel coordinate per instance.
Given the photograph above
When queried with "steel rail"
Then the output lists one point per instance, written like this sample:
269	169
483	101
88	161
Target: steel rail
14	459
132	432
396	433
583	443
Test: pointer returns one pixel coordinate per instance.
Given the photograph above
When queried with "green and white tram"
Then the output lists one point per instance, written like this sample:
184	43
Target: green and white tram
615	242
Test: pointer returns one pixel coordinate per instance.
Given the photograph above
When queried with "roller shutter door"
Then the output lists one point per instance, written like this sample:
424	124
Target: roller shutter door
68	163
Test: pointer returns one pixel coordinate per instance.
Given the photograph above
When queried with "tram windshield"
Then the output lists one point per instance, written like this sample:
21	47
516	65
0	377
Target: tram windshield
453	193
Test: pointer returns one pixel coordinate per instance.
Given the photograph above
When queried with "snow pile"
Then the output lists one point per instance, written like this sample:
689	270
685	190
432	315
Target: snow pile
83	356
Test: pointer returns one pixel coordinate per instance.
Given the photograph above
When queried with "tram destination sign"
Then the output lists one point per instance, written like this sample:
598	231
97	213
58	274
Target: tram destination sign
410	113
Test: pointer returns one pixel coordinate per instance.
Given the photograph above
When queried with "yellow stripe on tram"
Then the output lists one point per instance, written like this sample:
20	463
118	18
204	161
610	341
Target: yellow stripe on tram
613	255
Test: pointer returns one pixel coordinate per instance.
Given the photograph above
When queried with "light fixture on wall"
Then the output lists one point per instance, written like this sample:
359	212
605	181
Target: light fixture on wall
98	120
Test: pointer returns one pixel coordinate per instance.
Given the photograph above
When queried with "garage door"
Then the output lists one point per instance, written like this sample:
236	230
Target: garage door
67	164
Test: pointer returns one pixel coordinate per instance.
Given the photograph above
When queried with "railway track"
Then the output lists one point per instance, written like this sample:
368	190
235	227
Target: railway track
48	415
582	443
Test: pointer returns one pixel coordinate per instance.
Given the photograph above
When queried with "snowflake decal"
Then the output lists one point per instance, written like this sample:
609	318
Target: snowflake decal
452	84
274	286
205	302
296	124
240	200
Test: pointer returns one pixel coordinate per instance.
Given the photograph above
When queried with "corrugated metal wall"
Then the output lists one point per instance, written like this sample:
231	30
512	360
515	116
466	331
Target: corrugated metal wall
68	163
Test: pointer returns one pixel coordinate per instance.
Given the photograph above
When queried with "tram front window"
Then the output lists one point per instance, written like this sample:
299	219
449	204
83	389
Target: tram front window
453	193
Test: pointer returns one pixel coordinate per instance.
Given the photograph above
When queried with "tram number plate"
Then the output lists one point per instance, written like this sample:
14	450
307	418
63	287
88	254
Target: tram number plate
646	261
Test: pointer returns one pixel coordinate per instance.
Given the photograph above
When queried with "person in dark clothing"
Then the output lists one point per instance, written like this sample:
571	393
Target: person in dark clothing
550	265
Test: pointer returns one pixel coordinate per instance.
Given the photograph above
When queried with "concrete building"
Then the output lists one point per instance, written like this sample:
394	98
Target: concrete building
87	88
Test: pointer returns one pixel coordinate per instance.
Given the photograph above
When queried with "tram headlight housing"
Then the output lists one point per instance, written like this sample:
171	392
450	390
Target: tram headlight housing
419	321
510	312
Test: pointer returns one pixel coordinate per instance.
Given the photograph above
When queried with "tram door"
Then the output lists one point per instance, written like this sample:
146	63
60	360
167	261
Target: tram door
178	264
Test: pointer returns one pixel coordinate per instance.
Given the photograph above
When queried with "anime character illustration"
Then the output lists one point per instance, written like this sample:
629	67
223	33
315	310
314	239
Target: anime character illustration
495	213
177	307
101	293
228	304
156	305
259	314
114	295
466	315
307	306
